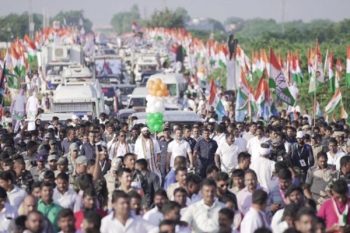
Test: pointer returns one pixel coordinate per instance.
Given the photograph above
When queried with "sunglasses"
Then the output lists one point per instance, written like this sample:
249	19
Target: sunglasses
122	135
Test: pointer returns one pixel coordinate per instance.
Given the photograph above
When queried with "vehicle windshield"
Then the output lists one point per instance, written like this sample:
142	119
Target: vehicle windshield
172	89
138	102
55	69
108	67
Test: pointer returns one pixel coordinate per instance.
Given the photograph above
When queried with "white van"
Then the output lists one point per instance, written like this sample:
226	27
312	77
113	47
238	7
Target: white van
176	84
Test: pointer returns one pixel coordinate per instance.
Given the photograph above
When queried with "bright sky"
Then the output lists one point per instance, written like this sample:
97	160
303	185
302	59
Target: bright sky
101	11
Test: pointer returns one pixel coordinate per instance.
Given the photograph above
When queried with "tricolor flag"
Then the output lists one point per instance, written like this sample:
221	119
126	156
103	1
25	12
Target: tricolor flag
334	102
348	67
278	81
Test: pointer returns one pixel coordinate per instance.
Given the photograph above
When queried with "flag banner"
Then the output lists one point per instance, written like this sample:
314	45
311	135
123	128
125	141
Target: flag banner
334	102
348	67
278	81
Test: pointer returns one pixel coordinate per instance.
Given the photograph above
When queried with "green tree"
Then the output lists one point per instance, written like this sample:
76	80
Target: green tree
15	25
121	22
166	18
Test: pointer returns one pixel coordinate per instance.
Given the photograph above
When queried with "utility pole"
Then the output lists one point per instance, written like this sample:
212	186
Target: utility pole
30	20
283	14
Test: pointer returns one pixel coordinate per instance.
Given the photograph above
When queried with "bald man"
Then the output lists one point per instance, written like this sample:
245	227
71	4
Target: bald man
29	205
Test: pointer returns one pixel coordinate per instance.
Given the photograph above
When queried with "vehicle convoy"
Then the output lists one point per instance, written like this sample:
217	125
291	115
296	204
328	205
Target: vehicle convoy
80	94
54	58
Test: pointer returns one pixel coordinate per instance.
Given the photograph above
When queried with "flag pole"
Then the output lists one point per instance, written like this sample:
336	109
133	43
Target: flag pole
316	66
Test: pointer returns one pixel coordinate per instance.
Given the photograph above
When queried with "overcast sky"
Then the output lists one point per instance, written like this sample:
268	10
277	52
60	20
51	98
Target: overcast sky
101	11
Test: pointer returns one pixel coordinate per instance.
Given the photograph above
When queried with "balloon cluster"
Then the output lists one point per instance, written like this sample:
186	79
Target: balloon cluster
157	91
157	88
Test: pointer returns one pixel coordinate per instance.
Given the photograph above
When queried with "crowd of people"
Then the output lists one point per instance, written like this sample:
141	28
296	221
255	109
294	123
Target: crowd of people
105	175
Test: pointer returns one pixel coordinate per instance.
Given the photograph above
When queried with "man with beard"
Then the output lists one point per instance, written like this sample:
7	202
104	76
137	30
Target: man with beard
205	151
318	178
152	182
148	148
155	216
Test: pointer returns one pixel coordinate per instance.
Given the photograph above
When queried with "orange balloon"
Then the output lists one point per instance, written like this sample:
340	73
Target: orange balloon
153	92
166	92
163	86
157	81
150	83
159	93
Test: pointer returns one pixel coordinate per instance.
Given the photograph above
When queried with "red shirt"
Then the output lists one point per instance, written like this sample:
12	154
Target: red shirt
79	217
328	213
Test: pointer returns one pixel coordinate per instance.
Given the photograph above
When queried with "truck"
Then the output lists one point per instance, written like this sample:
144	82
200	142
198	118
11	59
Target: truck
56	57
145	63
80	94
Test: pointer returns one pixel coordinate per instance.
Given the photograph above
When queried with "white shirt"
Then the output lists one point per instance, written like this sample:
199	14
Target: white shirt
16	196
264	169
335	160
228	156
153	216
219	138
147	154
203	218
66	200
7	214
253	146
110	224
32	104
115	152
248	135
178	148
253	220
19	104
276	221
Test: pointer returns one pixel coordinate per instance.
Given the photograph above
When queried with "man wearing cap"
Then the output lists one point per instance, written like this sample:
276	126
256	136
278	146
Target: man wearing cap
147	148
71	156
81	168
39	170
301	154
62	166
52	162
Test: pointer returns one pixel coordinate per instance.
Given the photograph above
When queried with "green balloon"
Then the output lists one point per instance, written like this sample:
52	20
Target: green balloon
158	116
158	127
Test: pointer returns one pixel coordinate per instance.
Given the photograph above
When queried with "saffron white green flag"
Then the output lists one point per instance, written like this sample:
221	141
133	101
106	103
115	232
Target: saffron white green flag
334	102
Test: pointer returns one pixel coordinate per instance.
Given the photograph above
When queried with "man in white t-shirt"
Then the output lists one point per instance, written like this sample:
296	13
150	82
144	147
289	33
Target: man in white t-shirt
334	154
252	145
178	147
226	156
